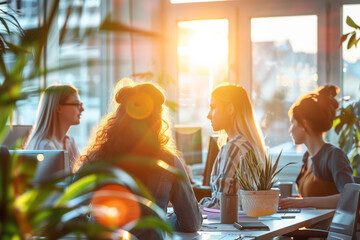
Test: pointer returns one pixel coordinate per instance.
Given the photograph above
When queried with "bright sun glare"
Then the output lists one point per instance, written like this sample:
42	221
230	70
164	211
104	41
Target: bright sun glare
203	42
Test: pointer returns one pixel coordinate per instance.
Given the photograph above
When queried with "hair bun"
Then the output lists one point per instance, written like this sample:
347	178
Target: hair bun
327	101
326	97
124	93
155	93
330	91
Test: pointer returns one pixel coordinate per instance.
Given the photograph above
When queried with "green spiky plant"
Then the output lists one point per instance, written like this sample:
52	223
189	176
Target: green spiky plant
253	176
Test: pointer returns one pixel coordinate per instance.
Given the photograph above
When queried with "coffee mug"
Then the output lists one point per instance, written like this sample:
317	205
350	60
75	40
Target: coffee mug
285	189
228	208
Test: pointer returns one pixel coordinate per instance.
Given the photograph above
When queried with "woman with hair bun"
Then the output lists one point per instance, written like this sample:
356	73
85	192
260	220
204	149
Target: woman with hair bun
326	168
138	126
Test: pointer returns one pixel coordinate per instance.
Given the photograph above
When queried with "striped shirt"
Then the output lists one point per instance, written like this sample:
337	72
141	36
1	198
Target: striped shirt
223	177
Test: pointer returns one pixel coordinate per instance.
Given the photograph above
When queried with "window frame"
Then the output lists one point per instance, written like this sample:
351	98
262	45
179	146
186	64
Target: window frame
239	14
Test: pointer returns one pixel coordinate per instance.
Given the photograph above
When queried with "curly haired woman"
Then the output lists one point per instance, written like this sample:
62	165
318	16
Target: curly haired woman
138	127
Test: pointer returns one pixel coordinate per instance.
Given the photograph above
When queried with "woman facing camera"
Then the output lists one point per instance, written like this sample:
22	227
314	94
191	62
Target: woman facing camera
138	127
59	108
326	168
231	113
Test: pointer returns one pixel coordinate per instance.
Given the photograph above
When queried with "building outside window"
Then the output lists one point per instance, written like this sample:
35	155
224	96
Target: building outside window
284	66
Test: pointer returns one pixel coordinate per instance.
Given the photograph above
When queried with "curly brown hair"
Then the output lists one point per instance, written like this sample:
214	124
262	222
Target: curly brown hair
137	126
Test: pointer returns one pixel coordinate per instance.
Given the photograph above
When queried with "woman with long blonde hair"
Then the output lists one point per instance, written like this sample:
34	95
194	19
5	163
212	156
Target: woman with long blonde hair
138	126
232	114
59	108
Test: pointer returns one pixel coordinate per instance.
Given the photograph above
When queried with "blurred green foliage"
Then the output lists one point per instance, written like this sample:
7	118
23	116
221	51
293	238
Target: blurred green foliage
347	126
60	206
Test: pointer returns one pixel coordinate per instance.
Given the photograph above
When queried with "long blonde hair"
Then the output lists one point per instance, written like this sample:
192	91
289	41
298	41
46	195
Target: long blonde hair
244	120
138	125
45	123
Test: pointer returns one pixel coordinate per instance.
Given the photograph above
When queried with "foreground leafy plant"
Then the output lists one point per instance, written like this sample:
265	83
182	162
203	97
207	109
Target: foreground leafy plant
254	176
347	125
53	212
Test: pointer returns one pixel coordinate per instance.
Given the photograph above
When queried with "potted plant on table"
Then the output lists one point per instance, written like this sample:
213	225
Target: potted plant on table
256	181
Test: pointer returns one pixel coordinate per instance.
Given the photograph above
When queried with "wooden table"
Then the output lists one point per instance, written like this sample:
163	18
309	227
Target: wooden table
212	229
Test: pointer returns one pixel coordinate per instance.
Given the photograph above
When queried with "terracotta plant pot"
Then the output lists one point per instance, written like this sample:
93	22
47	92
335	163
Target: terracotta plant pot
259	203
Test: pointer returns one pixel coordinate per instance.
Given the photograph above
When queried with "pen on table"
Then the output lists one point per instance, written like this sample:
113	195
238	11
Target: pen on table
210	227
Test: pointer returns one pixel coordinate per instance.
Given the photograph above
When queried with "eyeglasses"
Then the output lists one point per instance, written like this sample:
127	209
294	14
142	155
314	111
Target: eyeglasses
79	105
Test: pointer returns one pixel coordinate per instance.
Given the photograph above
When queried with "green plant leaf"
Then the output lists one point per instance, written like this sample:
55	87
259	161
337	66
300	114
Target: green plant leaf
352	41
255	176
153	222
351	23
15	48
344	37
172	105
5	25
82	186
348	145
115	26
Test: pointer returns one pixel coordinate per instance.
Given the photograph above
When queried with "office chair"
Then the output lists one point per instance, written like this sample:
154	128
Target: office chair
204	190
344	223
5	181
213	151
357	179
188	141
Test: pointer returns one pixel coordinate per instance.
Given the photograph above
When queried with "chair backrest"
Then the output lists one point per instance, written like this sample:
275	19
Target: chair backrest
188	141
344	223
4	181
17	132
210	159
357	179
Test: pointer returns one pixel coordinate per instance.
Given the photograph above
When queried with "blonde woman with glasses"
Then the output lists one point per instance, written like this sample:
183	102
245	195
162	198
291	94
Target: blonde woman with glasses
59	108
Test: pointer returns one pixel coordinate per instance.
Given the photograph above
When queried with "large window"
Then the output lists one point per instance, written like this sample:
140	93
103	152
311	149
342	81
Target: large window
71	53
202	65
27	14
284	66
351	57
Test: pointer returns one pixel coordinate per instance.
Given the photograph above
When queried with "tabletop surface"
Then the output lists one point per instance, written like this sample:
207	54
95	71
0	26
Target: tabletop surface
212	229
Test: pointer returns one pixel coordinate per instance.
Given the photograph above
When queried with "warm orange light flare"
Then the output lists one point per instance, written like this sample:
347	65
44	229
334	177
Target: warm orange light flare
162	164
111	209
140	106
187	130
126	236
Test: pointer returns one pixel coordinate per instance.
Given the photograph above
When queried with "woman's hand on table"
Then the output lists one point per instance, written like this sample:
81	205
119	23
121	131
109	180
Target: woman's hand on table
293	203
328	202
